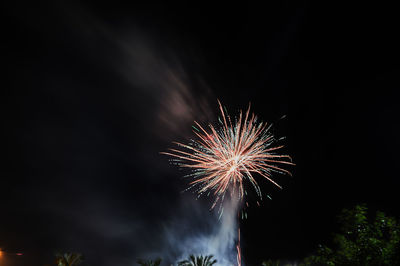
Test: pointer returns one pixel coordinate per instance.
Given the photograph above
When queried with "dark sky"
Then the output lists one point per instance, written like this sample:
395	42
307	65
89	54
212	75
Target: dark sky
92	92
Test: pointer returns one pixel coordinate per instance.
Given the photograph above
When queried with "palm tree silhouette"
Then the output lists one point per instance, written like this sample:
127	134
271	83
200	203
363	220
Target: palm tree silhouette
68	259
198	261
157	262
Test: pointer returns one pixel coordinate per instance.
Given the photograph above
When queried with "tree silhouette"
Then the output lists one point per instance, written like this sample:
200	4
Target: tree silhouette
361	241
198	261
271	263
68	259
156	262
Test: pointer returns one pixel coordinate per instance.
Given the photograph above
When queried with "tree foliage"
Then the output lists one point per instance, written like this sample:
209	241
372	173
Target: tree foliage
156	262
361	241
198	261
271	263
69	259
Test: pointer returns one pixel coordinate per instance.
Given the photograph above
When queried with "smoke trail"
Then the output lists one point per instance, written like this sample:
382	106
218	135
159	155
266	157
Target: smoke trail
219	239
162	98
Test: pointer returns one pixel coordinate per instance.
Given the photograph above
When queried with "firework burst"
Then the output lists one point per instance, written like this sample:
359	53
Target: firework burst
224	157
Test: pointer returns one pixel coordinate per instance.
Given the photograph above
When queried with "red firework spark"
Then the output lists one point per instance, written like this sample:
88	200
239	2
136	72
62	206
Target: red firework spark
228	155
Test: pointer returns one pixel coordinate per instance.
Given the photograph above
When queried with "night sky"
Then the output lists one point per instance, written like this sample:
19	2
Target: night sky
92	92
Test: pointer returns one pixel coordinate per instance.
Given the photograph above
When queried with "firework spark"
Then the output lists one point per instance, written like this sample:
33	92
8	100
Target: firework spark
224	157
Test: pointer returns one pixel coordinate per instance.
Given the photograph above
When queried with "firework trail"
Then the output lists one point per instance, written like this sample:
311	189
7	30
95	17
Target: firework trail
223	158
238	258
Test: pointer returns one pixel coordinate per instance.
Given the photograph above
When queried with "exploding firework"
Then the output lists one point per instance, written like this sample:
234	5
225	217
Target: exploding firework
226	156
